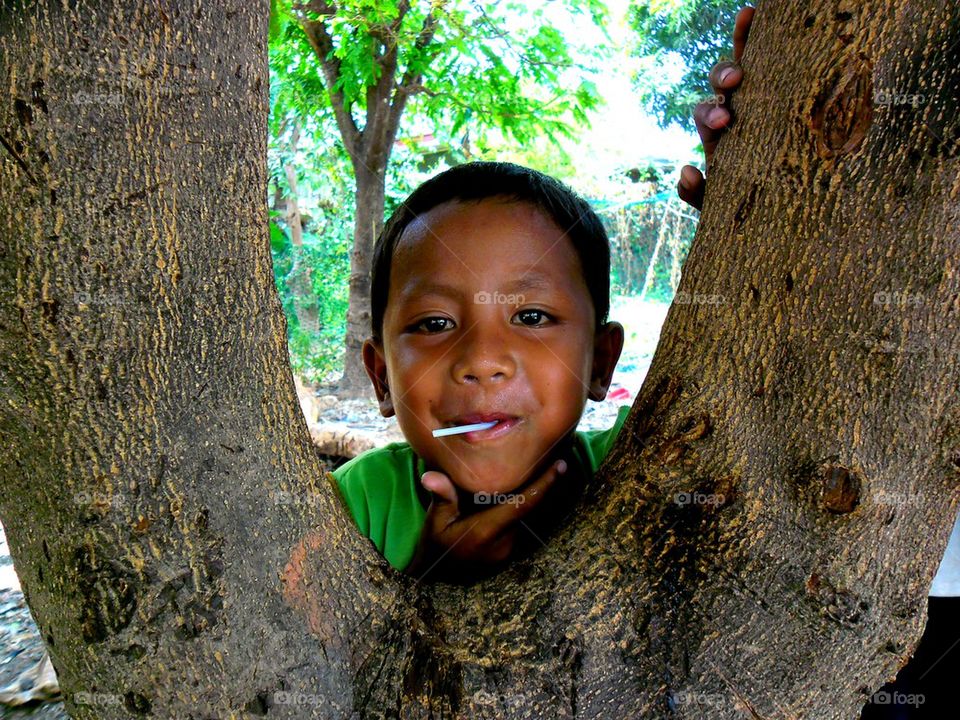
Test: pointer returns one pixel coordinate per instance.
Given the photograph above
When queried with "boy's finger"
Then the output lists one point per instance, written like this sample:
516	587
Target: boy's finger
444	506
741	31
711	121
691	186
724	77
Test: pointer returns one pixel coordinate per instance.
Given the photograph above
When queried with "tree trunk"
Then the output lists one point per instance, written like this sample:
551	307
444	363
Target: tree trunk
301	283
760	541
367	226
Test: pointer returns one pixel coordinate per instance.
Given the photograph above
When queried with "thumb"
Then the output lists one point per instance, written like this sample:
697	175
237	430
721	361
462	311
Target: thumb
443	494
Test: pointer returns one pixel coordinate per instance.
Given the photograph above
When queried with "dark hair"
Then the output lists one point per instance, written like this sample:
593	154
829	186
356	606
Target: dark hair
481	180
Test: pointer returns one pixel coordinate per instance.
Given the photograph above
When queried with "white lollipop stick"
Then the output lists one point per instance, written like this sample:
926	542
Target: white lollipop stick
441	432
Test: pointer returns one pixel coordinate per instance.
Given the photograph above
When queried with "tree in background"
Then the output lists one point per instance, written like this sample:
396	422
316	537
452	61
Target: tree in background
308	171
463	68
695	32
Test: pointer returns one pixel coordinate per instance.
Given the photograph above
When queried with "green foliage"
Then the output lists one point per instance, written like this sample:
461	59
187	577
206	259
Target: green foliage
697	33
488	65
317	355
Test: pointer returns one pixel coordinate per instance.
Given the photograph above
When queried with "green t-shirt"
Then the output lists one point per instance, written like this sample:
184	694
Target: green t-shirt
380	489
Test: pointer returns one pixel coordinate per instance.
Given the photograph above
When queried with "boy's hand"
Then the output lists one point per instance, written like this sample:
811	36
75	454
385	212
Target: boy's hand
713	116
451	543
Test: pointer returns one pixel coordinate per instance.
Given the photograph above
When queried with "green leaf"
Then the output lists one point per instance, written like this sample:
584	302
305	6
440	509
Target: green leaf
278	238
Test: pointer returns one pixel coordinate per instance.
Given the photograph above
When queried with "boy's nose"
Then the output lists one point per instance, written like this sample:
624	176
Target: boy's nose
482	359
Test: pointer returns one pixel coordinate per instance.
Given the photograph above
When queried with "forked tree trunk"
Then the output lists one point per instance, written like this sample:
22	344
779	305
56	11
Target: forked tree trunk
761	539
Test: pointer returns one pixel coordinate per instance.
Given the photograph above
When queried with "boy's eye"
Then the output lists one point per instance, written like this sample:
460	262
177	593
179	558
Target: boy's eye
432	325
532	318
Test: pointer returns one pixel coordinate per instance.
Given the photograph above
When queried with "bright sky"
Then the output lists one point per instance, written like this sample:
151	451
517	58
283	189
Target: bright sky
622	135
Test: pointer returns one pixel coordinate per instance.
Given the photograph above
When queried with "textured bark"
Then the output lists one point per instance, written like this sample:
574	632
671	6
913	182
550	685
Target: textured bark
741	552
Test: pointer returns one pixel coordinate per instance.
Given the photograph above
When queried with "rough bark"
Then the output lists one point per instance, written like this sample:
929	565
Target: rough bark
759	542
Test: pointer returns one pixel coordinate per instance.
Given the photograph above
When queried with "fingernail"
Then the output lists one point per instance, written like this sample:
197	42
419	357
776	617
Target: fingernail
716	116
725	74
562	467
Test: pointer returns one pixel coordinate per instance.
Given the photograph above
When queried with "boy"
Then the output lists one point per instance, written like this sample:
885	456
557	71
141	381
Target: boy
490	291
490	296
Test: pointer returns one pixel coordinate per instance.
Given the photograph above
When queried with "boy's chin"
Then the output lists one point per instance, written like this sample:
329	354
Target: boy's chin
483	492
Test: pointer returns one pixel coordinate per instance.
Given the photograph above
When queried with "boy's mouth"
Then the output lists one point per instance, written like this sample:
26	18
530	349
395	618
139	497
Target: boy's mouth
504	423
474	418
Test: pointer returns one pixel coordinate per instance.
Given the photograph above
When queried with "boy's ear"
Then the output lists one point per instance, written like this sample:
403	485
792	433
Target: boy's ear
607	344
375	363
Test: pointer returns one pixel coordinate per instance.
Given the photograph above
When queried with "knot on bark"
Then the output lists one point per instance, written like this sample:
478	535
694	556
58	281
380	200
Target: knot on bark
692	428
843	110
107	592
839	605
839	489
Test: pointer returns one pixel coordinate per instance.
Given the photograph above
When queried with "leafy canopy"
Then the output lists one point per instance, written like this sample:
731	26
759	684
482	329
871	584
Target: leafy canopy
693	34
493	65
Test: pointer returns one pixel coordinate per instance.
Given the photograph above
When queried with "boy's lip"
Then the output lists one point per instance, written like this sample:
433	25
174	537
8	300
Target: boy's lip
472	418
504	425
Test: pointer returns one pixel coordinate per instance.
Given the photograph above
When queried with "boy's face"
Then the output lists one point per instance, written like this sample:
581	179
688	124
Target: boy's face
489	317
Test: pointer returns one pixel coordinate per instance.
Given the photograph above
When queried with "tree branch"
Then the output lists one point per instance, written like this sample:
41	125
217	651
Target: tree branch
382	112
322	45
410	82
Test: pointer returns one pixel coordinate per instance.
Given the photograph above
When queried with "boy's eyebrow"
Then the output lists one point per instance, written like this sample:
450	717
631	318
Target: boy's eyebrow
528	281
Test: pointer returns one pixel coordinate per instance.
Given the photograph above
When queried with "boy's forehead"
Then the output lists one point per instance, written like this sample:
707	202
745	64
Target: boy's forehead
482	222
495	244
493	240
